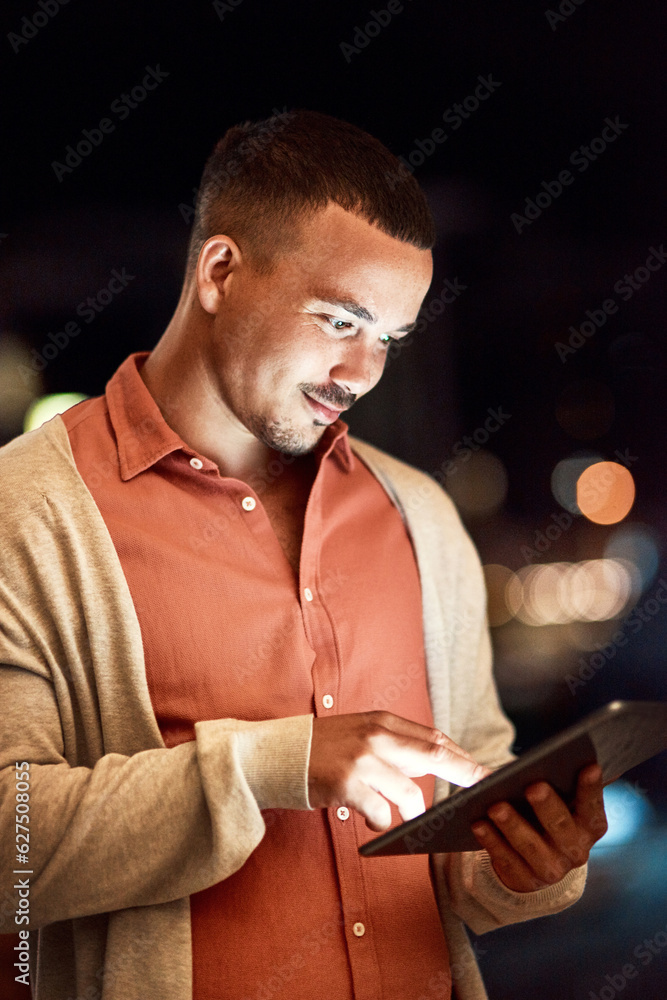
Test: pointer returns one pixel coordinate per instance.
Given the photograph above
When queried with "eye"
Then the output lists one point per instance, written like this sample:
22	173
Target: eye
386	339
338	324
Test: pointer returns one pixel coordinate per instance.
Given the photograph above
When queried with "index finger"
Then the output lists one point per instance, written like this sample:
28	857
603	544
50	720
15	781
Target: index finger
448	763
417	750
425	734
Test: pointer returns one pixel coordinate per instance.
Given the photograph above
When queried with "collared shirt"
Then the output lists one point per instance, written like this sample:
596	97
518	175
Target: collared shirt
229	632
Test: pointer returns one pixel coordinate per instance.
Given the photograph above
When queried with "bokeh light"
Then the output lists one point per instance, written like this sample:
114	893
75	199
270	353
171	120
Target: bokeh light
19	383
596	590
497	577
560	593
605	492
628	812
564	479
638	545
46	407
543	594
478	487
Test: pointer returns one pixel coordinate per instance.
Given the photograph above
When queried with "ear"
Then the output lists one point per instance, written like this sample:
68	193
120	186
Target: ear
218	259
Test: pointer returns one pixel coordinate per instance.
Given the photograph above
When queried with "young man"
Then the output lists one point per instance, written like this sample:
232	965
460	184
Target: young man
211	592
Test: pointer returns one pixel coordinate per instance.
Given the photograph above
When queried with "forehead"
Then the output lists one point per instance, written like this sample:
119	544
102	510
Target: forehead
339	249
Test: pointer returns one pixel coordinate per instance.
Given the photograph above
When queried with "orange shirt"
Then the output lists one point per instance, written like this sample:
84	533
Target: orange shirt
229	633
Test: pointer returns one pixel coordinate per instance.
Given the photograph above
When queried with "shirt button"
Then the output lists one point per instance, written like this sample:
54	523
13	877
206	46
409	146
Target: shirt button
196	463
358	929
327	701
308	594
248	503
343	812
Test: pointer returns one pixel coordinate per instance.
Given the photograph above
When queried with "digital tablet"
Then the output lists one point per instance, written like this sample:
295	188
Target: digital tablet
618	736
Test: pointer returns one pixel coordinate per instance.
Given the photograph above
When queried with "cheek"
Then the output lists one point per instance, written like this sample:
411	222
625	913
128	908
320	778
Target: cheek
302	352
276	358
277	372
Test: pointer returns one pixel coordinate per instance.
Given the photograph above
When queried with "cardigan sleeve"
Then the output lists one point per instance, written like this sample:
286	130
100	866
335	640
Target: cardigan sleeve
141	829
115	818
467	882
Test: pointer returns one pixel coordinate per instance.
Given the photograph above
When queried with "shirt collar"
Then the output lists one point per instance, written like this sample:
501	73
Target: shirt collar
335	442
143	436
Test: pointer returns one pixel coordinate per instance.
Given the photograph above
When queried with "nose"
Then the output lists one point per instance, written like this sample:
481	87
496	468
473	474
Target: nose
360	366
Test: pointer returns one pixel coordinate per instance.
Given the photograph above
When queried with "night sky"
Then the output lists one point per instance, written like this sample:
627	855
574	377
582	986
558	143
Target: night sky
547	189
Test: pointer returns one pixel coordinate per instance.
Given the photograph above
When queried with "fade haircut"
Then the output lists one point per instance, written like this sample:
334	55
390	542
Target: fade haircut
265	178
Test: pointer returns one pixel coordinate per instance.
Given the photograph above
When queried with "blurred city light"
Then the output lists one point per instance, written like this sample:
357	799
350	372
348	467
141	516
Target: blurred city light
564	479
637	544
628	812
478	486
594	590
605	492
497	577
46	407
544	596
19	383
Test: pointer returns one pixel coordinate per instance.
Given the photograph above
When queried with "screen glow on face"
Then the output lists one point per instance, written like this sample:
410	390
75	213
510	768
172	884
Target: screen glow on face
359	312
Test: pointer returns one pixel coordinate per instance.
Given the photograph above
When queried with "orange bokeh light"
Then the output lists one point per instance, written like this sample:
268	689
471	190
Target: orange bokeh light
605	492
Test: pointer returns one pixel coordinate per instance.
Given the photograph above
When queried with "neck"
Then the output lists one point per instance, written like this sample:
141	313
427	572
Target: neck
178	377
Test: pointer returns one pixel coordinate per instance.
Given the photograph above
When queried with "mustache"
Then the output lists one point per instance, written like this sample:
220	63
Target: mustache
329	395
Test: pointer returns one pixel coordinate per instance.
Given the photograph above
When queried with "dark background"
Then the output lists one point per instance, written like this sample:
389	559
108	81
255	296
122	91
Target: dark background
128	205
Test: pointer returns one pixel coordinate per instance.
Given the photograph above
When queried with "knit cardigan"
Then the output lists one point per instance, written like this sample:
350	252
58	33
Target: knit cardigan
123	829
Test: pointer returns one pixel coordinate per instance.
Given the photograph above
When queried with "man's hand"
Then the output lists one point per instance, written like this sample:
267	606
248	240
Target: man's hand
365	759
525	859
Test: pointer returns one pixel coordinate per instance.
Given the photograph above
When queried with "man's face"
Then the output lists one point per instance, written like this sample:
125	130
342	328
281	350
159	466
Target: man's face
291	350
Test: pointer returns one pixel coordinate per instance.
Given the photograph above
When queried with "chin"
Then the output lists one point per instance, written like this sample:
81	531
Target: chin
288	445
286	438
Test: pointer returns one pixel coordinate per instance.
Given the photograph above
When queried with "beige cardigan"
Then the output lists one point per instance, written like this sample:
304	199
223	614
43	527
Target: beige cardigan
123	829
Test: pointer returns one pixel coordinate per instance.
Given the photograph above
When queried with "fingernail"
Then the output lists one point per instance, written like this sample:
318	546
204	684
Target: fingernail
479	830
499	812
538	793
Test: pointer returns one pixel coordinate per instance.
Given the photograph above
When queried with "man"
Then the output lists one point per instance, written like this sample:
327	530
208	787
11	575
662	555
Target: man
210	595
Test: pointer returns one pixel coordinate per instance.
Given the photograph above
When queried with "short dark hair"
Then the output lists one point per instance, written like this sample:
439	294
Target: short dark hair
263	178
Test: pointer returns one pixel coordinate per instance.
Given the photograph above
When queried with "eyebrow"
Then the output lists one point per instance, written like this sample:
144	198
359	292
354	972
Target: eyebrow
361	312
